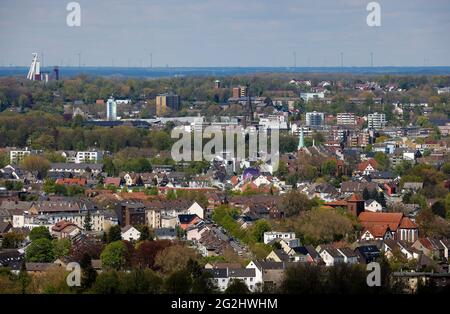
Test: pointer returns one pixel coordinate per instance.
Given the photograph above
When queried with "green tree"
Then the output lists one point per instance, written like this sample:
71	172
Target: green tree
107	283
24	278
114	234
382	160
237	286
12	240
40	251
114	255
61	247
295	201
259	228
35	163
39	233
89	275
178	282
88	221
329	167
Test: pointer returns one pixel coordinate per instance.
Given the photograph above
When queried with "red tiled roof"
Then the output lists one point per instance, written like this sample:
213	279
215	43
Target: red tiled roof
363	165
391	220
112	181
72	181
407	223
61	225
378	231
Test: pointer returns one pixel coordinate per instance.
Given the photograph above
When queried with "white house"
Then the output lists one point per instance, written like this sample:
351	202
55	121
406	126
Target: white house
350	257
372	206
261	180
331	256
130	233
269	236
222	277
195	233
196	209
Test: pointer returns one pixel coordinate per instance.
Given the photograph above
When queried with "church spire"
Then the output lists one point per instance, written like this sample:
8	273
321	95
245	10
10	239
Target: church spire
301	140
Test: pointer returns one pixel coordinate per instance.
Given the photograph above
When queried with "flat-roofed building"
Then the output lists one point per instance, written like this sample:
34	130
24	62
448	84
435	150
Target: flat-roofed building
165	101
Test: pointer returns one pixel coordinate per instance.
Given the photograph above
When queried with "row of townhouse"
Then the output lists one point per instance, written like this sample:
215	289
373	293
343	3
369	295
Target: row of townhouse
256	275
50	212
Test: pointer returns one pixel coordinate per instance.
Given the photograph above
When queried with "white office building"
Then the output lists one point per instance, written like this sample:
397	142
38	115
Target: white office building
315	119
311	96
345	118
376	120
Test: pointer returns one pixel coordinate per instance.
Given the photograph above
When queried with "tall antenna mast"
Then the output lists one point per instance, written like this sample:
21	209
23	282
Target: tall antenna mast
79	59
371	59
151	60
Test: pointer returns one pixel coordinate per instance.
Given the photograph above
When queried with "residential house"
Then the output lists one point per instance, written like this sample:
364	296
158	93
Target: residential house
93	169
194	233
222	277
269	236
358	187
330	255
268	274
350	257
390	246
130	233
372	206
187	220
367	167
210	244
65	229
378	226
166	233
432	248
367	253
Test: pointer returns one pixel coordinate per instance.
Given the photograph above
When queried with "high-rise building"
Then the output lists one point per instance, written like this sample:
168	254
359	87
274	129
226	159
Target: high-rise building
217	84
315	119
345	118
165	101
111	109
240	91
376	120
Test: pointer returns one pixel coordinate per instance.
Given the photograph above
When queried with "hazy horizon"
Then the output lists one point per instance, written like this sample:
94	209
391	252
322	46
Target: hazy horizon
226	33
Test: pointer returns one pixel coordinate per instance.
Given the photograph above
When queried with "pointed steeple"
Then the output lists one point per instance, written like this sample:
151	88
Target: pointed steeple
301	140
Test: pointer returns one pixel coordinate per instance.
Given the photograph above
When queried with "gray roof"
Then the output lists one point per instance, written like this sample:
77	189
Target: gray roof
165	232
269	265
232	272
81	166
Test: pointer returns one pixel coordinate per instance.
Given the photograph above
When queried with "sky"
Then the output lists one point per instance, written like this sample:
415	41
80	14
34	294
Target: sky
208	33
